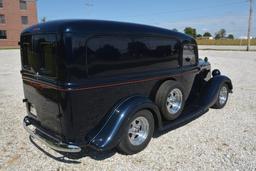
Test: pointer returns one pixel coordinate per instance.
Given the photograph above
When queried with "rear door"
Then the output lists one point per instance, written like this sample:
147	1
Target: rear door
39	73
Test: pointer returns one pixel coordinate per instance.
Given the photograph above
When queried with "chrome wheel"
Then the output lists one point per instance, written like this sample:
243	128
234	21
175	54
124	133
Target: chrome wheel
138	130
174	101
223	95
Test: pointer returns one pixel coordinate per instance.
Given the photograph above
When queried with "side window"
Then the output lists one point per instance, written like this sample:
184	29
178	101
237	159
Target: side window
189	55
115	55
158	50
107	54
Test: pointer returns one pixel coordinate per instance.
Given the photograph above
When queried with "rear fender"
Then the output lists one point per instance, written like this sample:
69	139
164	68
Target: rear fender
108	134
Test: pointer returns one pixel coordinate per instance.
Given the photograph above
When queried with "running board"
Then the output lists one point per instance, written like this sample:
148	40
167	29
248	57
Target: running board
190	113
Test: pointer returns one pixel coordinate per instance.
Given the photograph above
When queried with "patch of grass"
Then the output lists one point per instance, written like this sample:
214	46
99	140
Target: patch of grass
227	42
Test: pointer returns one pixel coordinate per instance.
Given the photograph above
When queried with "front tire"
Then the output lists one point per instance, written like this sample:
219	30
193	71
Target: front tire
138	133
222	97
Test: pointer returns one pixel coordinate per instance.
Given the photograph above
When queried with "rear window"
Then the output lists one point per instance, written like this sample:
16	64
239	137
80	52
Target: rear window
39	54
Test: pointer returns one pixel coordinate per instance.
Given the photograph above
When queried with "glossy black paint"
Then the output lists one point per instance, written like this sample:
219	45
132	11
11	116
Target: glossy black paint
92	97
46	103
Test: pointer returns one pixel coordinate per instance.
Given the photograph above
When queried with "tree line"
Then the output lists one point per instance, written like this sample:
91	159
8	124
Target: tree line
221	34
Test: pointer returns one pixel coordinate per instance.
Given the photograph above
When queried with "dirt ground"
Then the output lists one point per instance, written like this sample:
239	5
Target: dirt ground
218	140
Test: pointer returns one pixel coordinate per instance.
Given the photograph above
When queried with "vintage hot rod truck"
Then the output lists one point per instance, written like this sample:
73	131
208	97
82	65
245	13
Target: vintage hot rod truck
103	85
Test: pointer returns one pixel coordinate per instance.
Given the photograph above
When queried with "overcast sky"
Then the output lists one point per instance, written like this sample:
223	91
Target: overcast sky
204	15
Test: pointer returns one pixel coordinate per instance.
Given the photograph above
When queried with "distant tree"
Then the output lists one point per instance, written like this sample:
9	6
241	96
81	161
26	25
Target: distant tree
190	31
175	29
217	36
220	34
207	34
43	20
230	36
199	35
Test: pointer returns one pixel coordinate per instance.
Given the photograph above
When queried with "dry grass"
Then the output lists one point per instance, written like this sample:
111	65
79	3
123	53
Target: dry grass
225	42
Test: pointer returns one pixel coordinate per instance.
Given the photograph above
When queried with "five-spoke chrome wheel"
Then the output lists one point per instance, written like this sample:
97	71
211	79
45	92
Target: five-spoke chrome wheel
174	101
138	130
223	95
170	99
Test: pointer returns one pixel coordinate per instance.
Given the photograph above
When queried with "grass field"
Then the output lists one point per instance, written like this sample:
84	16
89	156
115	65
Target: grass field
225	42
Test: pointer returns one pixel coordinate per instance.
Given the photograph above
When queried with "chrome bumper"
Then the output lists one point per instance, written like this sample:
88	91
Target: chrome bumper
50	141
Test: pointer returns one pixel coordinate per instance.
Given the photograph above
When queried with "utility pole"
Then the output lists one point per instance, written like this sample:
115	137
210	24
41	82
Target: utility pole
249	25
88	4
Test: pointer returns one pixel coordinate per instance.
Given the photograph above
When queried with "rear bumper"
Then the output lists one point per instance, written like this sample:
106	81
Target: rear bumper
47	139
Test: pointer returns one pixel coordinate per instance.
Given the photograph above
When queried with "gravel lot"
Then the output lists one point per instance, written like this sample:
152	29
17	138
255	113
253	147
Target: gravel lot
219	140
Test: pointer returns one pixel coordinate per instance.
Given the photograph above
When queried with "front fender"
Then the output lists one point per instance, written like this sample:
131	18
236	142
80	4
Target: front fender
210	92
107	135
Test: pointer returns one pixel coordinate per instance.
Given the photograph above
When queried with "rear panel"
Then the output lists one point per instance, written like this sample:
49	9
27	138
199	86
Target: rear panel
39	73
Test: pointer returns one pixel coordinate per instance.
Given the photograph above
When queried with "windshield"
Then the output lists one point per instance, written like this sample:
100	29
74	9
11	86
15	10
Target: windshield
39	54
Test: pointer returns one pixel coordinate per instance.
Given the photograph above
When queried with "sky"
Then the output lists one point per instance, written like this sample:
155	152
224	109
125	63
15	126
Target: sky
204	15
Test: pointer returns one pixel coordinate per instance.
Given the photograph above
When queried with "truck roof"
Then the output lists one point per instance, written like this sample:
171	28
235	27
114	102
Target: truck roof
100	26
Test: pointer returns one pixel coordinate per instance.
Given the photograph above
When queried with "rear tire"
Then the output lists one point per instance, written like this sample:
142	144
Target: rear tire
138	133
222	97
170	99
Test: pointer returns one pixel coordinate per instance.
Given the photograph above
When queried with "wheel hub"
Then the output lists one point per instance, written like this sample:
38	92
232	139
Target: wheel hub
223	95
138	130
174	101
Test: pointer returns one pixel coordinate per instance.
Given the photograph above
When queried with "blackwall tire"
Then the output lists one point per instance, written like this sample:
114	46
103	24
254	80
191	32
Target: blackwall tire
141	132
170	99
222	97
